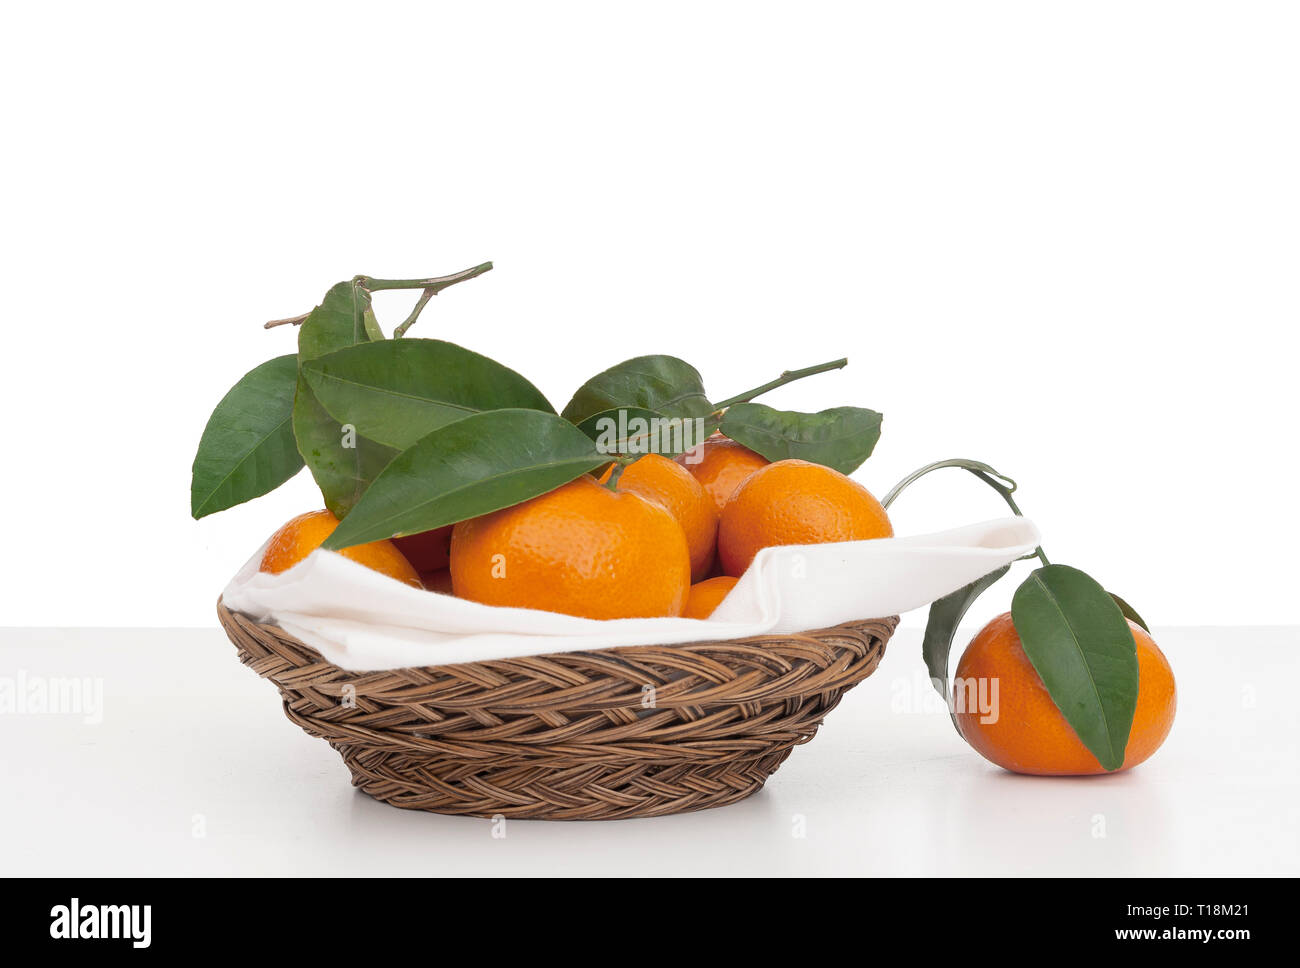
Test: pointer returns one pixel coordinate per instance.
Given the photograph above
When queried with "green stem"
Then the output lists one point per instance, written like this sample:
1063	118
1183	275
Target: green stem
994	479
431	288
620	465
789	376
358	309
291	321
415	313
436	284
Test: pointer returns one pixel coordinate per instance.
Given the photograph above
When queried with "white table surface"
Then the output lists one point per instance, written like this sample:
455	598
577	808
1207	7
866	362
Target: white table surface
195	770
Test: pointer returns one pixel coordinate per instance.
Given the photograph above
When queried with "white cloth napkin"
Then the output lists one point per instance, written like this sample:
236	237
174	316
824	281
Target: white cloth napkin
361	620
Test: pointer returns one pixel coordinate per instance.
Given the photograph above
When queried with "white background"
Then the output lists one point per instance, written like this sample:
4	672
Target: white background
1061	238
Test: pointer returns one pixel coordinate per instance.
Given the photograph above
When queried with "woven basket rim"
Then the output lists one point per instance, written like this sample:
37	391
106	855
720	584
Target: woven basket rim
609	651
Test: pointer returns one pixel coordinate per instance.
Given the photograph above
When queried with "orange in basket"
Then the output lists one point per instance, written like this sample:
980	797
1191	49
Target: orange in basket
659	479
794	502
581	549
305	533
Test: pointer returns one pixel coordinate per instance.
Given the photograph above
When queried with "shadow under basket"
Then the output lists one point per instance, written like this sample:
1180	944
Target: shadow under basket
639	731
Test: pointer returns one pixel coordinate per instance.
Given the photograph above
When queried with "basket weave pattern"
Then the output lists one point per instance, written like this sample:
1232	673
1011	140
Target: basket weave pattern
641	731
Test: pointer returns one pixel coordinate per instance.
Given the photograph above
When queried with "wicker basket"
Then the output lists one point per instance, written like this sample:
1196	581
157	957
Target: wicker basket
641	731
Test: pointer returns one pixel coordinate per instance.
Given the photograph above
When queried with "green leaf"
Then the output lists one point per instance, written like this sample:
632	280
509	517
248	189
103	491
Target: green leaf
397	391
247	447
371	325
342	463
633	430
339	321
945	615
1082	648
1130	612
662	384
841	438
476	465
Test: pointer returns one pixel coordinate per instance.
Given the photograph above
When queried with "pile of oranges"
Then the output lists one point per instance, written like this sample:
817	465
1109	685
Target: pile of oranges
656	537
661	538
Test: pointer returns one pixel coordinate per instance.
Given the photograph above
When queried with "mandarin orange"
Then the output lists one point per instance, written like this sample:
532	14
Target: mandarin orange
659	479
305	533
581	549
708	595
1028	733
721	465
428	550
795	502
437	581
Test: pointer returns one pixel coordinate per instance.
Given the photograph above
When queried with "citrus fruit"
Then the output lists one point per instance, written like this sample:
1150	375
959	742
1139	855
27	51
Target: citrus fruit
795	502
720	465
428	550
707	595
437	581
305	533
1029	734
659	479
581	549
